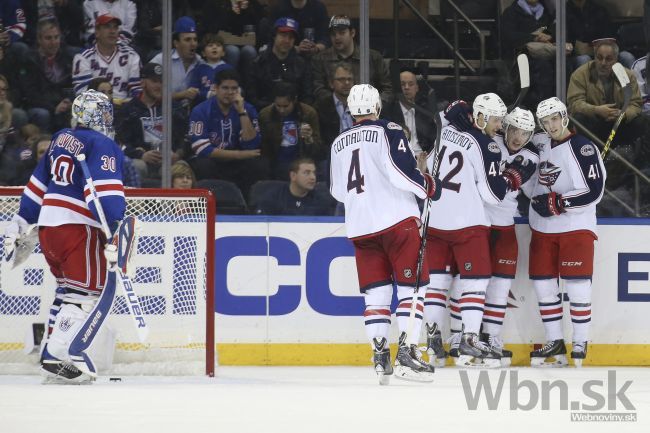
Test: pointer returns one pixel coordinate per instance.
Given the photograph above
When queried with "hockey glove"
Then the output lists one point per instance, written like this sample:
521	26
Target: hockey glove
459	114
119	250
434	187
547	205
16	229
518	172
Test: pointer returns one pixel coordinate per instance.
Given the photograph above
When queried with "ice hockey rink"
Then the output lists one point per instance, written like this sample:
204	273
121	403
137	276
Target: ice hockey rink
319	399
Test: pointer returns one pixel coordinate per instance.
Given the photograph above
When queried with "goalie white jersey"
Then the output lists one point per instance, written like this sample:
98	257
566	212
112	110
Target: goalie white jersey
574	169
373	172
502	214
470	176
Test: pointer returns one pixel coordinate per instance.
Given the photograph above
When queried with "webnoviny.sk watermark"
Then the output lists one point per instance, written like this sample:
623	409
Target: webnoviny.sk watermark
603	397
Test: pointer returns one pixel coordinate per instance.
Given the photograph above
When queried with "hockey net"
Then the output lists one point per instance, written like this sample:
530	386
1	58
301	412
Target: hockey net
174	278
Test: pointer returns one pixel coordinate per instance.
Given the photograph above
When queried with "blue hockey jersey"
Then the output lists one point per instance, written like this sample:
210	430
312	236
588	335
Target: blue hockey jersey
57	194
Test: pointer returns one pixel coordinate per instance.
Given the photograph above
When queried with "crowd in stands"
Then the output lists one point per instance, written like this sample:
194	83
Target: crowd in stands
260	88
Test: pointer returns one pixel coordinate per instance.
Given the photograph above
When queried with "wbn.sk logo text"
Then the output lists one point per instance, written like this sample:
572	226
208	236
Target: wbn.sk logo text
527	394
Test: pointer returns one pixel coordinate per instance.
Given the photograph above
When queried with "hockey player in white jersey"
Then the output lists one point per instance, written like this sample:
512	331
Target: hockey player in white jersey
71	237
518	129
562	216
458	233
374	173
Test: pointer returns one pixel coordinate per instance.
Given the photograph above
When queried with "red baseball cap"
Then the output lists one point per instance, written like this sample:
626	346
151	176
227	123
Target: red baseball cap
105	19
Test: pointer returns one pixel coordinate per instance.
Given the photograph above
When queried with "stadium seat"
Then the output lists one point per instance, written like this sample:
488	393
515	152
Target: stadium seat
262	189
229	199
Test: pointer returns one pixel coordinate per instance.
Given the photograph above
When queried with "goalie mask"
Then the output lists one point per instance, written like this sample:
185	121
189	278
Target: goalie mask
364	100
93	109
549	107
518	126
490	105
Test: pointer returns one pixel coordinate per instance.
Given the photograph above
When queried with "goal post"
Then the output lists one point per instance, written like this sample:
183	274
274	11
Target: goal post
174	277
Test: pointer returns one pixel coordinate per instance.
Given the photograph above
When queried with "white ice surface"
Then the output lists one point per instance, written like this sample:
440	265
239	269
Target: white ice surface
304	400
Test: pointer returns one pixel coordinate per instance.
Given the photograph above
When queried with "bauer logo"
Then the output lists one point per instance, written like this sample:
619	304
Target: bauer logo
595	399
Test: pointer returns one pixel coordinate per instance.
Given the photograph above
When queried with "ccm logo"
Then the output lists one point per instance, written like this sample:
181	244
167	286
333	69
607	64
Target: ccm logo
507	262
571	263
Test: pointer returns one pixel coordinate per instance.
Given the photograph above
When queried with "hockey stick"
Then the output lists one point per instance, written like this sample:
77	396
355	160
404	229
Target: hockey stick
624	81
524	79
130	297
423	237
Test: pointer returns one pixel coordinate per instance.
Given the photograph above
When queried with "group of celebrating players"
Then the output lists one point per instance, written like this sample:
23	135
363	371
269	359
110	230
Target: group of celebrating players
484	158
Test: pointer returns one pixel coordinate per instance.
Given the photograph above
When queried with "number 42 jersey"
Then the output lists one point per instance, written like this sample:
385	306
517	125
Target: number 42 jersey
374	173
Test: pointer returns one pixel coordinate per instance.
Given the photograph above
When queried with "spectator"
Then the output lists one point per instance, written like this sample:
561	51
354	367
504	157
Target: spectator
41	145
184	60
16	156
70	17
148	36
333	114
421	127
12	19
526	27
240	18
344	49
586	21
124	10
312	18
224	136
119	63
182	176
12	117
280	63
140	126
46	79
203	74
289	130
299	196
640	69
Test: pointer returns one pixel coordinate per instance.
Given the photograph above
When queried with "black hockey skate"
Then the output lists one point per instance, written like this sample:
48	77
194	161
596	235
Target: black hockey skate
58	372
553	354
409	364
474	353
435	350
381	360
495	343
579	352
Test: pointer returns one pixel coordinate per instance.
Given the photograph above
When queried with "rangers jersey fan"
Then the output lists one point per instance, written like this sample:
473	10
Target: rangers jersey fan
363	155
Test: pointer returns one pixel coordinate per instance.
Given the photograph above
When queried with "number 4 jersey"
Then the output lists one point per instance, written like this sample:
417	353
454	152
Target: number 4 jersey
470	175
57	194
373	172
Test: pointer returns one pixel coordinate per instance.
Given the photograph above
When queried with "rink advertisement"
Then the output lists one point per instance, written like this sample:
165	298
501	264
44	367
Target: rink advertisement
287	293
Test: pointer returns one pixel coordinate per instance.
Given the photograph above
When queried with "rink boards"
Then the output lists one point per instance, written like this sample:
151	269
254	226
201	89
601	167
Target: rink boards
287	294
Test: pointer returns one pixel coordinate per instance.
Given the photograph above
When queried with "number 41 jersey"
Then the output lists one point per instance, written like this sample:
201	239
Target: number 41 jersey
373	172
470	176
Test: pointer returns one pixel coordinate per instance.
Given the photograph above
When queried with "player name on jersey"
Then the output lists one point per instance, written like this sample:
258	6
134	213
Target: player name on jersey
355	136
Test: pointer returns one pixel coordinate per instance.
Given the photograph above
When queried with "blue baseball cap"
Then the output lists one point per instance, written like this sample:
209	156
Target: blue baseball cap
286	24
185	25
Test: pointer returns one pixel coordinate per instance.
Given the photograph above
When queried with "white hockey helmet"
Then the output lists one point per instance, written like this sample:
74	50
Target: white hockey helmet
519	119
489	104
549	107
364	100
93	109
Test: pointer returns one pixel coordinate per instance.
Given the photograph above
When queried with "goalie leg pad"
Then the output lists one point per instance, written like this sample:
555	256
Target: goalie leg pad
86	333
68	322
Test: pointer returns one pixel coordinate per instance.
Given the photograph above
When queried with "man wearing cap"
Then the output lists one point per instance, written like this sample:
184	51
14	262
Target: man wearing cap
124	10
139	125
184	60
595	97
312	17
344	49
106	58
279	63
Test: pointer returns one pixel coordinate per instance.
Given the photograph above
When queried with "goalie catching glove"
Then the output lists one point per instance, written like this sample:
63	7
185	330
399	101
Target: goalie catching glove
547	205
518	172
118	251
20	239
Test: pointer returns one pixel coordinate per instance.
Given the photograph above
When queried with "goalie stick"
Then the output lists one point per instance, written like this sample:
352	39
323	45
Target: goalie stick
624	81
130	297
524	79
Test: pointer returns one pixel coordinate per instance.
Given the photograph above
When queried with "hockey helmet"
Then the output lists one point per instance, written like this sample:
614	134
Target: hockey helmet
488	104
364	100
549	107
93	109
518	122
